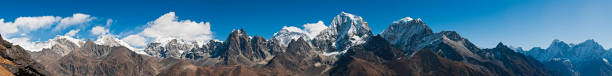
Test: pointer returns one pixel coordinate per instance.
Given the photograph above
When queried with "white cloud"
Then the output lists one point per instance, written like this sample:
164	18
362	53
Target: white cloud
311	29
109	22
28	45
292	29
99	30
135	40
77	18
27	24
7	28
168	27
314	28
18	31
71	33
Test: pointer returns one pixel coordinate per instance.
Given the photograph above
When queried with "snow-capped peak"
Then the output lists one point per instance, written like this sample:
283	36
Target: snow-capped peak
38	46
558	44
110	40
172	42
346	30
405	28
77	42
289	33
405	19
170	47
348	15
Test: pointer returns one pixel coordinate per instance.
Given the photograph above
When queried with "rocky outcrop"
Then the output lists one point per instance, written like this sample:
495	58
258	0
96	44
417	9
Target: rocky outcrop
101	60
18	62
379	58
243	50
345	31
301	59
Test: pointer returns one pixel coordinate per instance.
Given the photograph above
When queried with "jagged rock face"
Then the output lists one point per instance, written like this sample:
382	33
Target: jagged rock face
17	61
346	30
205	51
276	47
574	59
101	60
301	59
173	48
516	63
413	35
561	67
286	35
406	32
242	49
61	47
378	58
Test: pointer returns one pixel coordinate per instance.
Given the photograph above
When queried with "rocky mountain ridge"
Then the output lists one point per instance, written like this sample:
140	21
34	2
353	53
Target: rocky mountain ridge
347	47
574	59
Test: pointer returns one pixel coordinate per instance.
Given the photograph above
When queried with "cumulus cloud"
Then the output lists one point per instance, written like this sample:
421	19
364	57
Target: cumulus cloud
7	28
27	24
29	45
314	28
135	40
168	27
292	29
18	31
76	19
99	30
311	29
71	33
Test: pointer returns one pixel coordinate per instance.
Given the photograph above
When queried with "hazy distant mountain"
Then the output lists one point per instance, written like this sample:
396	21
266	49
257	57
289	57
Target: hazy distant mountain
584	59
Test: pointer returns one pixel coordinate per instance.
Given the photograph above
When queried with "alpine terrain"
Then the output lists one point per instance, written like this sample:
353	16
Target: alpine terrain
408	47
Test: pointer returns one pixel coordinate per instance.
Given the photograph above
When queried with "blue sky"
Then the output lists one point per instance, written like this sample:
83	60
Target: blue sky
522	23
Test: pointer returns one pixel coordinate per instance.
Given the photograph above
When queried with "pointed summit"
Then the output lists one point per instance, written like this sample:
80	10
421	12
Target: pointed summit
287	34
591	44
239	32
501	45
89	42
346	30
346	21
558	44
403	20
405	28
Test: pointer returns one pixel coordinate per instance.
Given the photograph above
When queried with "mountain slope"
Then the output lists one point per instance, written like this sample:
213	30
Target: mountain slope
99	60
379	58
242	49
346	30
16	60
413	35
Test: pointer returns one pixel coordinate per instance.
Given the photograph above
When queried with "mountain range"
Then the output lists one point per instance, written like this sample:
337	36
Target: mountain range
587	58
346	48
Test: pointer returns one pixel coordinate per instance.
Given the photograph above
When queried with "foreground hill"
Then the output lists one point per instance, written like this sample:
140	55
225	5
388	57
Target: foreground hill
15	60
